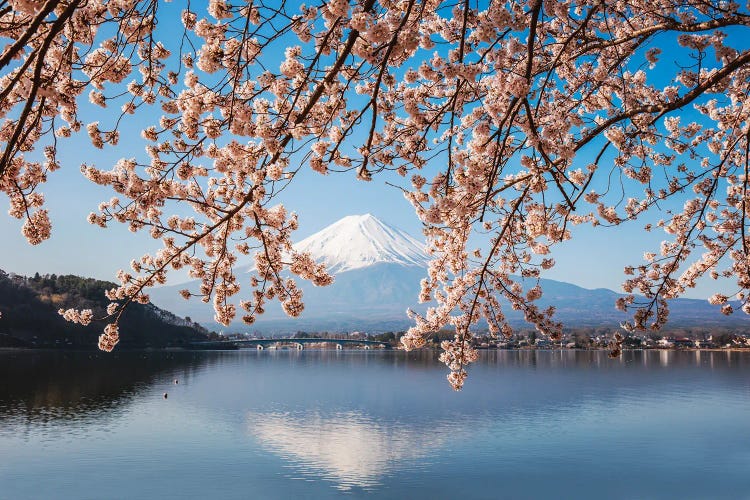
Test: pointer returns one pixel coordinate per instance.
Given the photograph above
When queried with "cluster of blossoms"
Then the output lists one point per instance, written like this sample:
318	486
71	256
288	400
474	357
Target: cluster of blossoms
82	317
513	118
109	338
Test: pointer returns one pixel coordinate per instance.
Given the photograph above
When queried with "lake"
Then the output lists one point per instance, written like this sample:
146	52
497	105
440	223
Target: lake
373	424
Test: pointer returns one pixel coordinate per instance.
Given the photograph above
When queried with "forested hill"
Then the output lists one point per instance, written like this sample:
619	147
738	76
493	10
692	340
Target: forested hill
29	318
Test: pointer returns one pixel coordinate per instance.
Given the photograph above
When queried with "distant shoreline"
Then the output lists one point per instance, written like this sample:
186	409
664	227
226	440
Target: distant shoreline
522	349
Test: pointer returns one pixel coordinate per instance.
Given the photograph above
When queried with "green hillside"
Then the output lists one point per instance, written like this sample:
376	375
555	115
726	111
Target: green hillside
29	318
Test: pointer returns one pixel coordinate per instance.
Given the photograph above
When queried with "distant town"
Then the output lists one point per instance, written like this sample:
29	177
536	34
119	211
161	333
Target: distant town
529	339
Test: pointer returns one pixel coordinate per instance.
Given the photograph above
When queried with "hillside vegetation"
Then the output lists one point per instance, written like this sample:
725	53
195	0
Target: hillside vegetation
29	318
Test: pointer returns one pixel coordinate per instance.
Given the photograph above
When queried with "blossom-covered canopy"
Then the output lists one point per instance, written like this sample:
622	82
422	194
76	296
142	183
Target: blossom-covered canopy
514	119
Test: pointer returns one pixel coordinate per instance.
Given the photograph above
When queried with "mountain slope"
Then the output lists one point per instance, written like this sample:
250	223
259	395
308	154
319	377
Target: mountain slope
378	269
29	315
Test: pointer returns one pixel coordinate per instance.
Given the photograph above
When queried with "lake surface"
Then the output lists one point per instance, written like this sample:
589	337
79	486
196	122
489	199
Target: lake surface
373	424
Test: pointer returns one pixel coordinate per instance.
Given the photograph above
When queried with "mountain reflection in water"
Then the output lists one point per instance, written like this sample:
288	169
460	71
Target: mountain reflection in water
381	424
350	449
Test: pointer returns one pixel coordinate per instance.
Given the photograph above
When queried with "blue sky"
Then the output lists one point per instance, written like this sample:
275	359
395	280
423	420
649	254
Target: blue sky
594	258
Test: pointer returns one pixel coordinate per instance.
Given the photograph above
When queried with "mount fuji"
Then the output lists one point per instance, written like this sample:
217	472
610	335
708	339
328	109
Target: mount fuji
377	270
359	241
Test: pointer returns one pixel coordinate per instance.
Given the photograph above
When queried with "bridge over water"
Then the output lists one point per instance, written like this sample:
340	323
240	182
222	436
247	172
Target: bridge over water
298	343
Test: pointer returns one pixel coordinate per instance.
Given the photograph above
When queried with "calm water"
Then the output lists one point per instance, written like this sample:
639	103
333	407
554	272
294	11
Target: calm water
327	424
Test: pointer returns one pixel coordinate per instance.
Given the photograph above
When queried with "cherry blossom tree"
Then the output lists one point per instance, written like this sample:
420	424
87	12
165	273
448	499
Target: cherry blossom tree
517	120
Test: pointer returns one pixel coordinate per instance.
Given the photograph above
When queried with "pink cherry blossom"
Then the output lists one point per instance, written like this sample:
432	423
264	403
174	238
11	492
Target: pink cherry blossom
518	121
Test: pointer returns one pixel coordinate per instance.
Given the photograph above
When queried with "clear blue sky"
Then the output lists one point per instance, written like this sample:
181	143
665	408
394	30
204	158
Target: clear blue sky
595	258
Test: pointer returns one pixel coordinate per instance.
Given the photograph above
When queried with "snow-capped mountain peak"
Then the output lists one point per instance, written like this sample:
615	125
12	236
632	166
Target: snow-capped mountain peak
358	241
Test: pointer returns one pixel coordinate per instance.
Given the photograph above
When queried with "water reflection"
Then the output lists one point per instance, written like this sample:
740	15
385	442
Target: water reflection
350	449
45	386
48	385
320	424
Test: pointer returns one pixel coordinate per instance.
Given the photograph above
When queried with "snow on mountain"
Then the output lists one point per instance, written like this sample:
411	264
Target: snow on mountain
358	241
378	269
